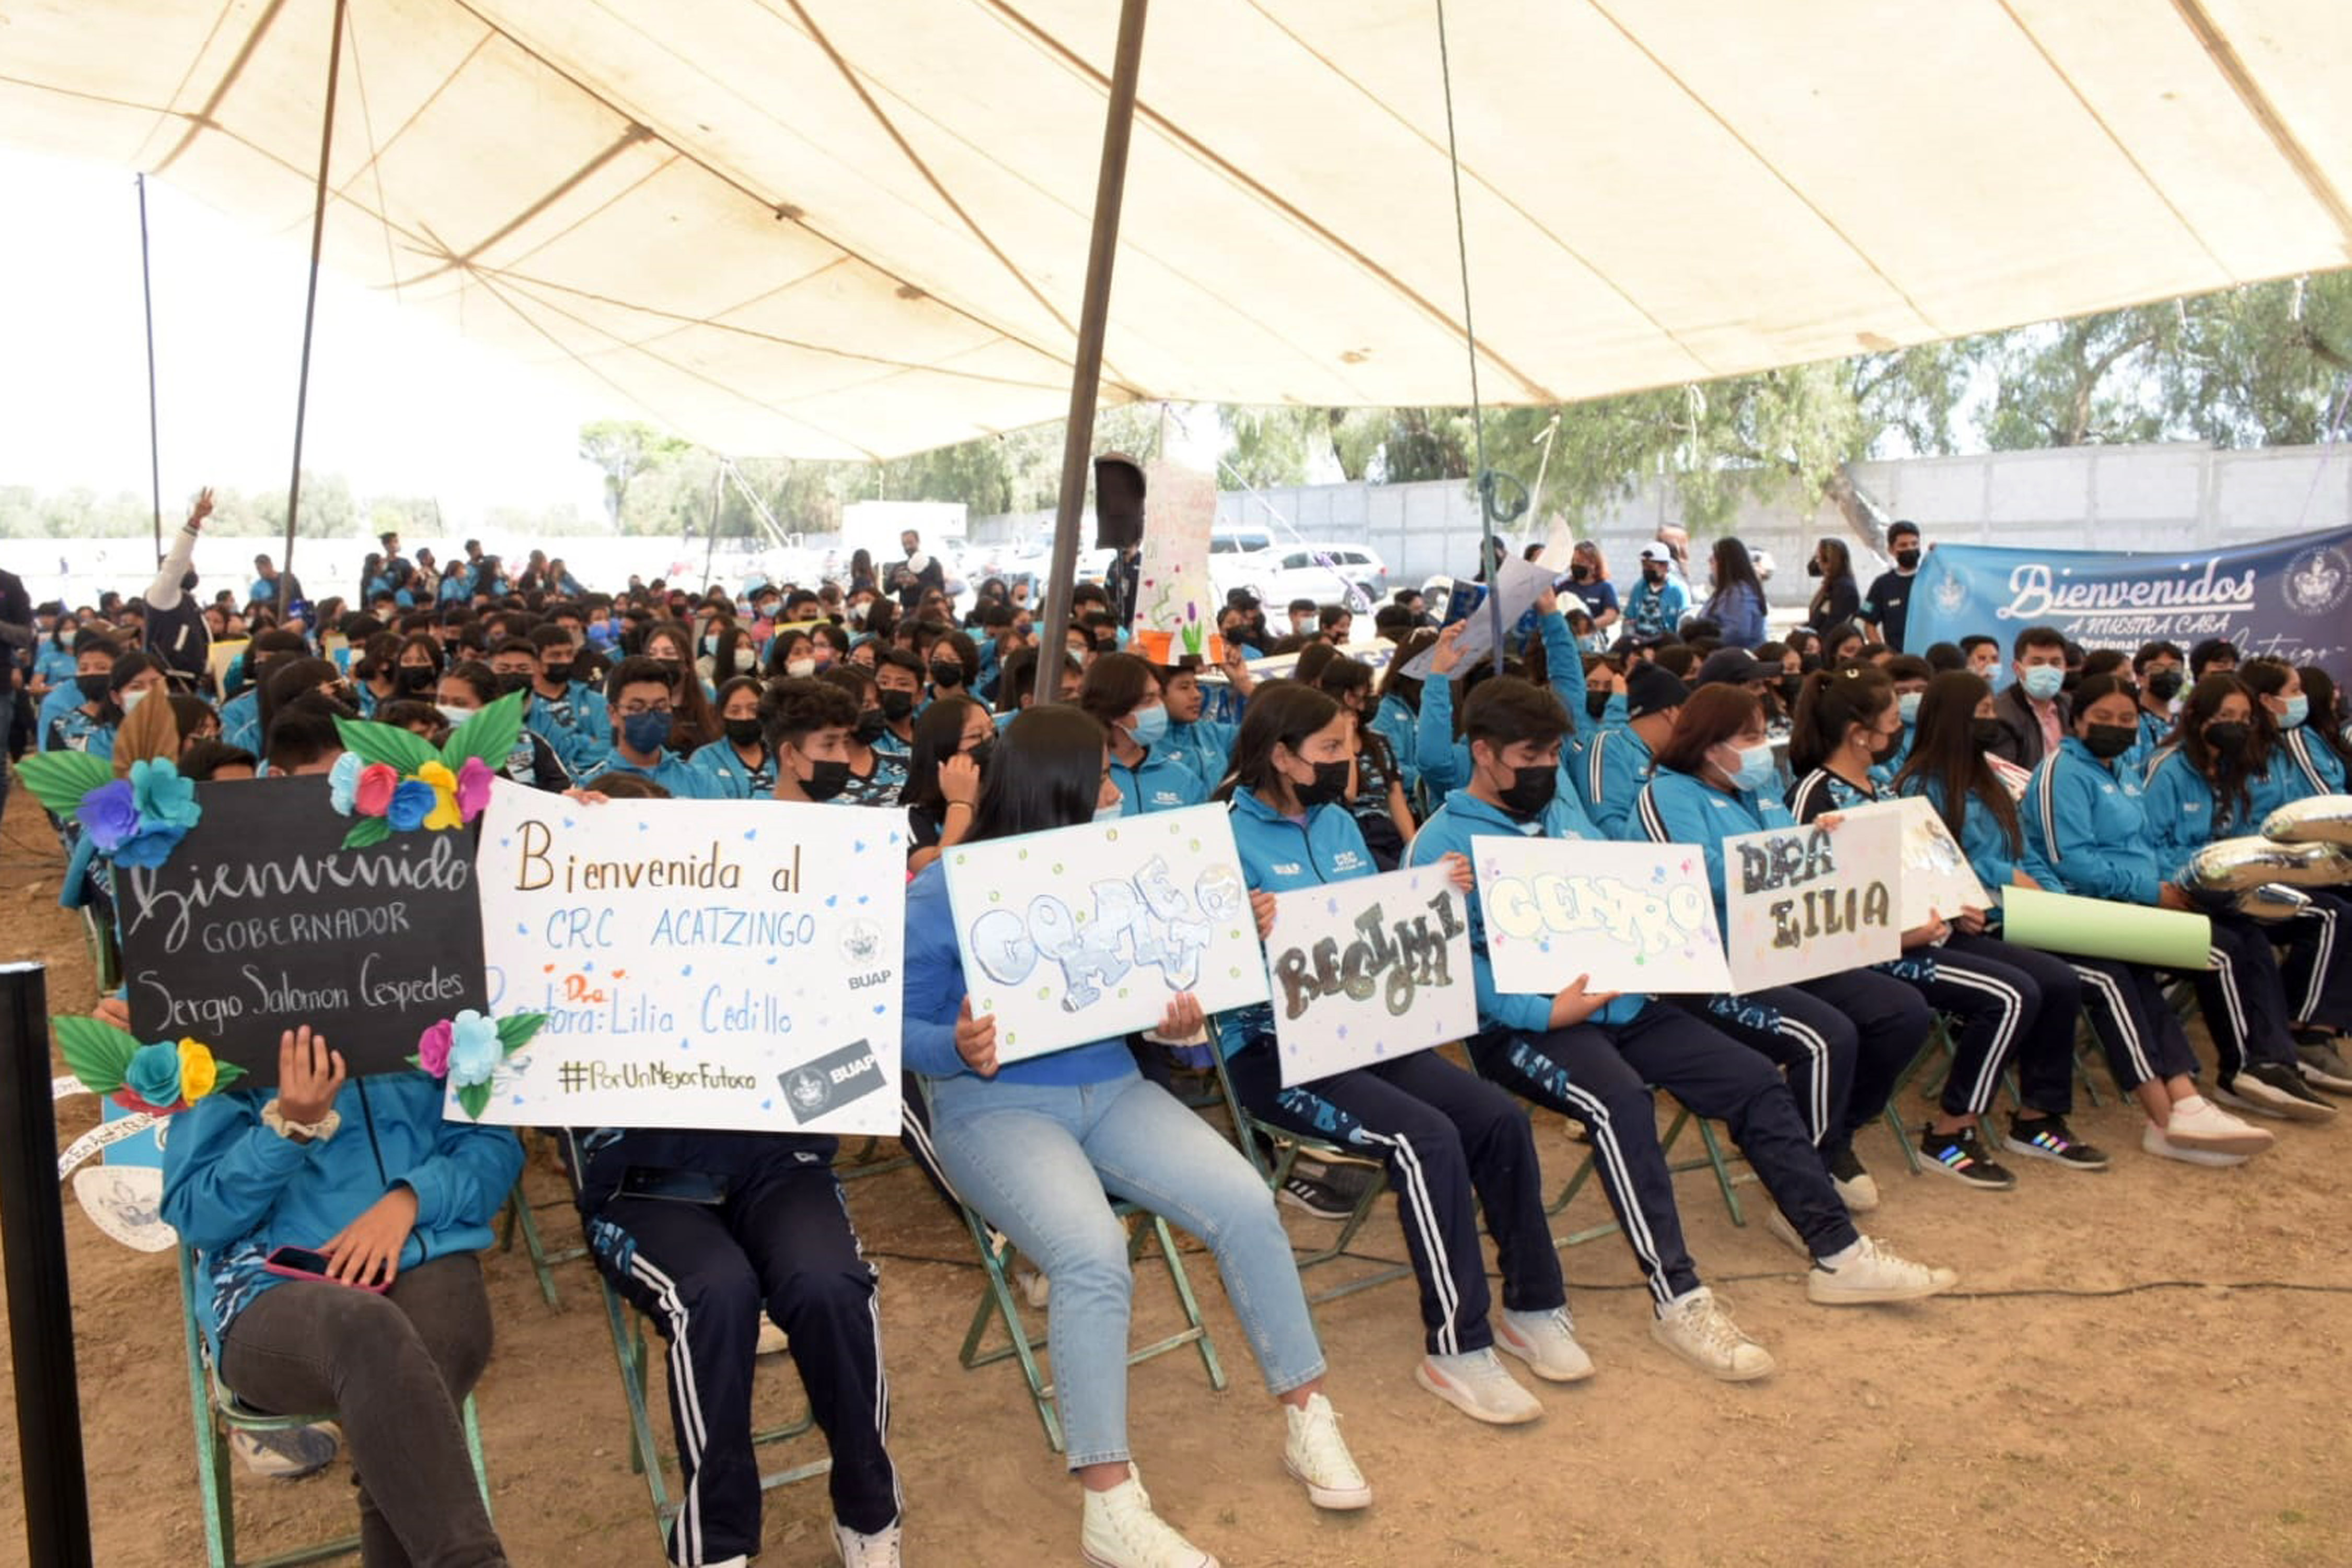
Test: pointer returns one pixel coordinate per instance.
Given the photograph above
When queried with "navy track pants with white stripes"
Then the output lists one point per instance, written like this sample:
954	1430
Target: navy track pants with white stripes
2010	1003
781	1244
1446	1136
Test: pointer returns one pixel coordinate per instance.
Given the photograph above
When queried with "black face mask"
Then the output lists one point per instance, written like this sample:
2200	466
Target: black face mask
1814	567
1987	734
1907	560
556	675
1581	573
2108	741
91	687
1596	700
981	753
744	732
411	679
946	674
513	680
1653	573
1531	790
2228	737
896	705
825	780
871	725
2164	685
1330	782
1789	685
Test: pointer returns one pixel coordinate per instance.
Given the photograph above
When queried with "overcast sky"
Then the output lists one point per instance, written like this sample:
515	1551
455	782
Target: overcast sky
399	403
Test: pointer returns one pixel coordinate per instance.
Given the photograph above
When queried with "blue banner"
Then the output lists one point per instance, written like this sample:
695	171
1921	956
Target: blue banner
2288	598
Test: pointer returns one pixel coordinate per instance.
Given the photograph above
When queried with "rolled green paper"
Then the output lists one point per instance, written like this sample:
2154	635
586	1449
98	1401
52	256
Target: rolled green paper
2100	927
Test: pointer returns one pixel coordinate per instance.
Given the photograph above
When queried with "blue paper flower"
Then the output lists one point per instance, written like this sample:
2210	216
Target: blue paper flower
165	799
153	1075
474	1048
412	803
343	781
110	813
151	845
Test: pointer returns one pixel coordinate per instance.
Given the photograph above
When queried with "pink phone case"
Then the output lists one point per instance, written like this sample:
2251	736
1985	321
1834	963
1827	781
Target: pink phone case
288	1271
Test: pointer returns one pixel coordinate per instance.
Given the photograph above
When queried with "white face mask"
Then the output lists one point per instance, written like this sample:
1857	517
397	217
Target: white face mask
133	697
453	717
798	667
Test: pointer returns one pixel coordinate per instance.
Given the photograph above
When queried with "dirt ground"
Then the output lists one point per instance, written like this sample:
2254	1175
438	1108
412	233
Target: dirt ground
2144	1367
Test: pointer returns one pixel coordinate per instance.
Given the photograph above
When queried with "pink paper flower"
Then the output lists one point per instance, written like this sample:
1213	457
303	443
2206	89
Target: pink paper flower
373	794
433	1048
473	788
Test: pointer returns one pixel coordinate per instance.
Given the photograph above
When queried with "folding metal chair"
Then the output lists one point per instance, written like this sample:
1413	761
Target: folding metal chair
217	1412
1713	1159
518	1217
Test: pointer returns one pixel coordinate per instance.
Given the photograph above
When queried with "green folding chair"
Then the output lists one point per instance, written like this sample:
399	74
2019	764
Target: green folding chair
518	1217
217	1412
646	1458
1713	1159
1288	1146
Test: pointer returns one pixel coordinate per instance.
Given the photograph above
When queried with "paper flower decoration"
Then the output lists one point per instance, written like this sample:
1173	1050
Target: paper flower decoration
159	1078
135	821
401	783
467	1050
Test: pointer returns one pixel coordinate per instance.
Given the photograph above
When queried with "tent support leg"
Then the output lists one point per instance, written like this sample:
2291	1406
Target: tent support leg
1110	186
311	313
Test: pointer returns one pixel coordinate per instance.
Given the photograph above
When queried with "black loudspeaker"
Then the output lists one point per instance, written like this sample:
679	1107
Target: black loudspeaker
1119	501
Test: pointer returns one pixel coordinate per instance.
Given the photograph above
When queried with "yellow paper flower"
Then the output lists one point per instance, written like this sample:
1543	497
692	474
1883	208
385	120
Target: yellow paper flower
197	1071
445	811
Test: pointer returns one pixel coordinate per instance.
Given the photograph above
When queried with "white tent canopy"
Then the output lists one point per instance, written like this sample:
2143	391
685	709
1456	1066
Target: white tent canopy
849	228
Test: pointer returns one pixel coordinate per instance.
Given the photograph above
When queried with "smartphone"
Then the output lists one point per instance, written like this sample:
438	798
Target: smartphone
673	1185
302	1263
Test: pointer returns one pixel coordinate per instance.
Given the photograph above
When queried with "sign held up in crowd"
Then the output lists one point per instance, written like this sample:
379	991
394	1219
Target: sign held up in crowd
1368	970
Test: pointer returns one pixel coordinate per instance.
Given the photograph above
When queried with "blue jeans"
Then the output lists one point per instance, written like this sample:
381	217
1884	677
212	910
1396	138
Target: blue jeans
1037	1161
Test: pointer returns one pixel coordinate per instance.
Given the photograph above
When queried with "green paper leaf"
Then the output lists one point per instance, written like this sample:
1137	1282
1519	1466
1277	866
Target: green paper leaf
224	1074
367	830
491	734
97	1053
515	1032
59	779
474	1098
388	743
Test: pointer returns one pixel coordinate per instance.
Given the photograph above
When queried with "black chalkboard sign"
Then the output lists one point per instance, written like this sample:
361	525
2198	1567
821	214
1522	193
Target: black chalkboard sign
261	921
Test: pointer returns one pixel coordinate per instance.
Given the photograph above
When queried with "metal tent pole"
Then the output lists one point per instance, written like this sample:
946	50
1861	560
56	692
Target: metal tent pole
1110	186
310	311
155	440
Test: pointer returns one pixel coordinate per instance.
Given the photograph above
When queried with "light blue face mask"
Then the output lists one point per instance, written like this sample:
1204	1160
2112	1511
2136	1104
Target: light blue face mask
2298	709
2042	681
1112	812
1150	725
1908	705
1756	773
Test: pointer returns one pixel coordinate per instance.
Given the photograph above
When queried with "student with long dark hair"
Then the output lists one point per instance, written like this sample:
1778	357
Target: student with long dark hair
1040	1147
1954	729
694	722
1843	1037
1397	714
1121	693
1452	1144
1839	598
953	740
1377	803
2207	784
740	759
875	777
2087	833
1737	605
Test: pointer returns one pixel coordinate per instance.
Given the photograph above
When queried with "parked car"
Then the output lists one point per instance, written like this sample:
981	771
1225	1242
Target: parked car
1326	573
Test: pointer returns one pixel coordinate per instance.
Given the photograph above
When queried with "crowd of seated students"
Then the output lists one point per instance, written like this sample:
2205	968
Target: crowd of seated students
1656	715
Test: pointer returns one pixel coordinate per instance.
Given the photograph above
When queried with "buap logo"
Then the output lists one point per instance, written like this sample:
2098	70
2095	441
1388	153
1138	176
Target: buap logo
2316	581
1952	594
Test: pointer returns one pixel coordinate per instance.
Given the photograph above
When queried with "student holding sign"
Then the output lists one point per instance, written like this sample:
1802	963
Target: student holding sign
336	1221
2087	833
1948	768
1039	1146
1848	727
1593	1056
1451	1140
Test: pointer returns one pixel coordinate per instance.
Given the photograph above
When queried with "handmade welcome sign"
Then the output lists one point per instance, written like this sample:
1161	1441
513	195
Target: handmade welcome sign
1088	932
259	919
1176	604
1630	917
1936	876
1369	969
1812	901
692	964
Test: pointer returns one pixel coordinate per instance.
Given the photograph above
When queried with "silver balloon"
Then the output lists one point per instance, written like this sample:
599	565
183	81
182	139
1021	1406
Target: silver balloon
2270	902
2235	864
2322	819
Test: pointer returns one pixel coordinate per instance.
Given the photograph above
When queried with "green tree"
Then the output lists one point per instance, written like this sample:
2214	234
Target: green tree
624	449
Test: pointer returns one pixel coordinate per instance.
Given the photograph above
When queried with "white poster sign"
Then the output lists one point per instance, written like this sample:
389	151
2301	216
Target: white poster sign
1174	597
1630	917
1807	902
1936	876
1369	969
1088	932
1517	584
699	964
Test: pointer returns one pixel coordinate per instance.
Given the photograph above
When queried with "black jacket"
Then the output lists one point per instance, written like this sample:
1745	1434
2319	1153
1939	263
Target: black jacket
2021	742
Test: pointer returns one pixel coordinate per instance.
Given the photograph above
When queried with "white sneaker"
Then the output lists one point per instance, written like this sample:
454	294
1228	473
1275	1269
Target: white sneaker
1319	1457
1547	1342
2199	1124
1778	1225
879	1549
1120	1530
1868	1271
289	1454
2153	1140
1475	1384
1698	1328
773	1340
2247	1092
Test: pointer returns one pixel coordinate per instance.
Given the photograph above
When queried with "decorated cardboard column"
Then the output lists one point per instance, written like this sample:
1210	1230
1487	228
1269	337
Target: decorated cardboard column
1176	601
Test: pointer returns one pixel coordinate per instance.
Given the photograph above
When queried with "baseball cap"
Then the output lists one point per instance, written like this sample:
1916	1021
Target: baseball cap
1654	551
1650	689
1731	667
